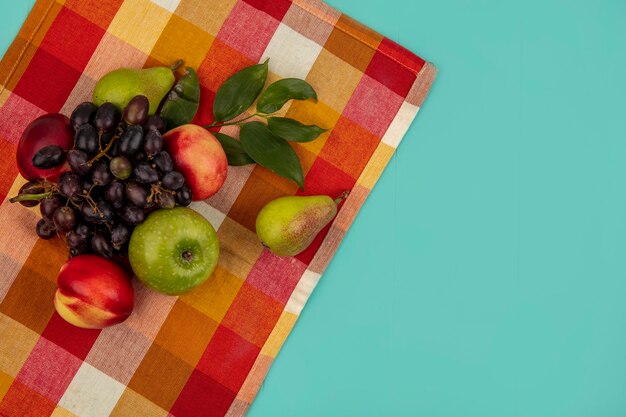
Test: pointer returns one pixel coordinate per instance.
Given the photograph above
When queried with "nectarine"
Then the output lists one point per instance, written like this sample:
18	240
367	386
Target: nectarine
93	292
198	155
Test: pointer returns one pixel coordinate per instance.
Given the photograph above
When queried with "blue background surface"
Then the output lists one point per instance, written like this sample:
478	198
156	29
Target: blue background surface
485	275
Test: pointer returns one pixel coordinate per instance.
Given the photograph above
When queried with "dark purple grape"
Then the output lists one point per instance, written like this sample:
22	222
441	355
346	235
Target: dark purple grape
131	214
82	229
153	142
101	245
145	173
120	233
106	211
136	111
121	167
102	214
114	194
31	187
131	140
86	139
166	200
136	194
64	219
139	157
114	150
49	157
75	252
183	196
45	230
76	241
69	184
97	192
48	206
89	214
163	162
150	207
77	160
173	180
105	138
100	174
155	122
107	117
83	114
86	186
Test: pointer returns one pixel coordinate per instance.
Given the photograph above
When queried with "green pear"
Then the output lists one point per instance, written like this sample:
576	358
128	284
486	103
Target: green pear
120	86
288	225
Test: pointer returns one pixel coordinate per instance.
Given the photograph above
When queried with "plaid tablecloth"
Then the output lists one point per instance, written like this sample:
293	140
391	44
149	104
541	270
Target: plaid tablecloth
204	353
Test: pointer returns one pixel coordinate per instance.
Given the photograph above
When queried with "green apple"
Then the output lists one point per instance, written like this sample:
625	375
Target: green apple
173	250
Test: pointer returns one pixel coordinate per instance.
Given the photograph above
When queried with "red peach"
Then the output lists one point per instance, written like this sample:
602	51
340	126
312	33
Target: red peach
93	292
49	129
199	156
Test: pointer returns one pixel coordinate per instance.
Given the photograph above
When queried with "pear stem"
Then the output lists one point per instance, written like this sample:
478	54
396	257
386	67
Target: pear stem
342	197
176	65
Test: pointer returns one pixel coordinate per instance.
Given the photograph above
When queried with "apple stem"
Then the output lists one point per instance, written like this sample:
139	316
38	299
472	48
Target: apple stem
342	197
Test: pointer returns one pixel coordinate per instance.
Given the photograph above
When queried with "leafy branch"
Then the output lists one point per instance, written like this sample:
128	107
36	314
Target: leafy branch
264	143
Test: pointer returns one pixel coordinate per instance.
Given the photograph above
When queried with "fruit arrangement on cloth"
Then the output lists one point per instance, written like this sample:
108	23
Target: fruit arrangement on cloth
113	181
115	174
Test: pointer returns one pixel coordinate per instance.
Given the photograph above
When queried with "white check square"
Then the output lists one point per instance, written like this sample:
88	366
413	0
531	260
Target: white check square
170	5
91	393
291	54
213	215
302	292
400	124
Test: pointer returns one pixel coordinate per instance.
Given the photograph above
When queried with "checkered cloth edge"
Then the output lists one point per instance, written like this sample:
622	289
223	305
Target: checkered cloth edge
207	352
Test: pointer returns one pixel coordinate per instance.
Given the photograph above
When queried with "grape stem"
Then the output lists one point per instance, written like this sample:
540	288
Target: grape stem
49	190
237	122
30	197
74	203
155	191
103	152
93	204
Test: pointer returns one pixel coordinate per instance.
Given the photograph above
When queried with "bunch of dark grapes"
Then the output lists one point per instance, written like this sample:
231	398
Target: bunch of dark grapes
119	174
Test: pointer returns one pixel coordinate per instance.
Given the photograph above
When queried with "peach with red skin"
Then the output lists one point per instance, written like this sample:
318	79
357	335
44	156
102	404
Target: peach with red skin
198	155
93	292
49	129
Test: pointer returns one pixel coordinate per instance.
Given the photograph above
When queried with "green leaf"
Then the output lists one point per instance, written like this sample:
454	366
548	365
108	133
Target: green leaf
280	92
293	130
238	92
271	152
181	104
234	151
